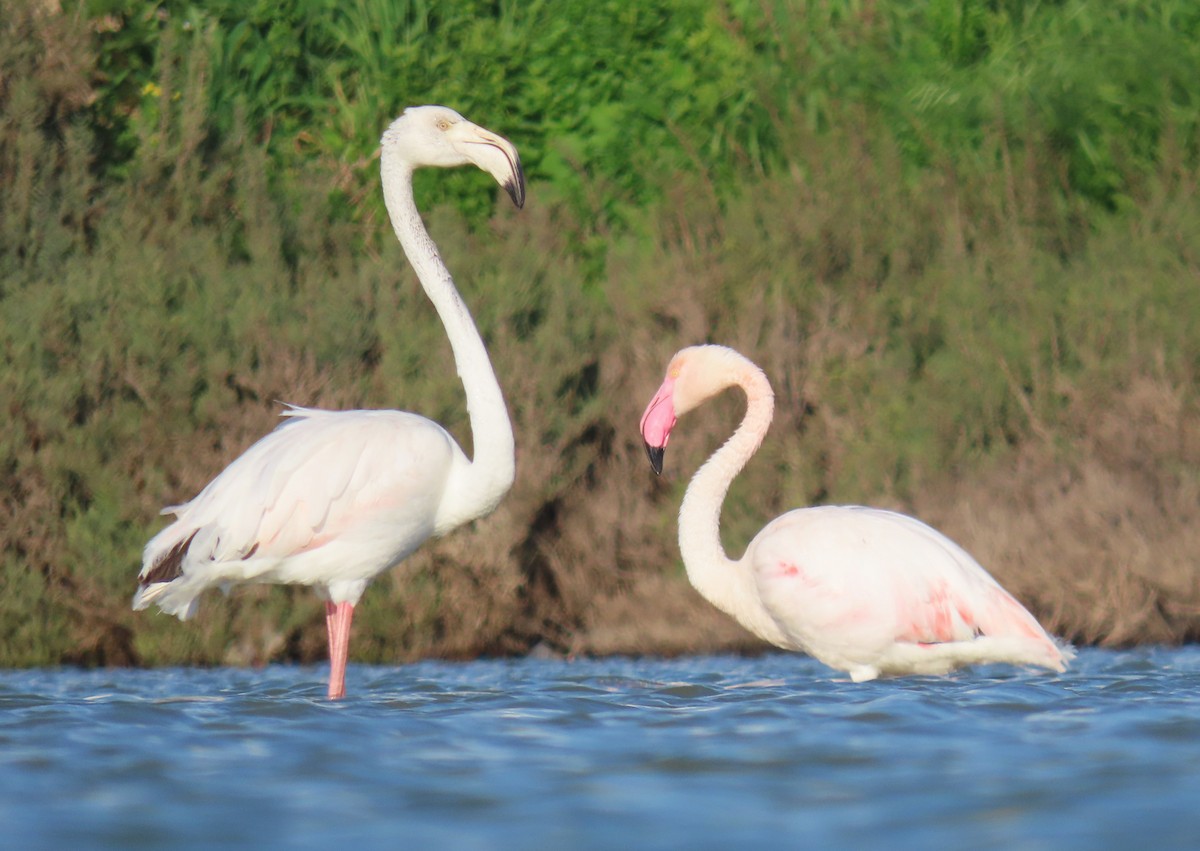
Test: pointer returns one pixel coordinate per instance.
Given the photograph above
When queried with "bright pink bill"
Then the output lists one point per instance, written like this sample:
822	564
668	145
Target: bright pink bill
659	418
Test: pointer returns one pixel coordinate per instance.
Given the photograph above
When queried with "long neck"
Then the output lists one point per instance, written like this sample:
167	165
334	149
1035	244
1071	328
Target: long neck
493	467
720	579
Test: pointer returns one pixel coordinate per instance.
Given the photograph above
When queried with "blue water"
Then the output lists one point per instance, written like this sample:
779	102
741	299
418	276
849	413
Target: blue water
711	752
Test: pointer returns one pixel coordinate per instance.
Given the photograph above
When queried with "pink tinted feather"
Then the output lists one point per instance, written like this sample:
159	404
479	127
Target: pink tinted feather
841	580
282	495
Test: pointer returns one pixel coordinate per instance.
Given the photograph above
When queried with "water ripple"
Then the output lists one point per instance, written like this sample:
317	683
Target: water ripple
711	752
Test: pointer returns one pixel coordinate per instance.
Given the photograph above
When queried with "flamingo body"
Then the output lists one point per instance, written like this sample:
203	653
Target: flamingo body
864	590
876	592
331	499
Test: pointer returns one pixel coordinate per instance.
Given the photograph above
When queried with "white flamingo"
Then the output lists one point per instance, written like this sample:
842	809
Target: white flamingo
331	499
863	590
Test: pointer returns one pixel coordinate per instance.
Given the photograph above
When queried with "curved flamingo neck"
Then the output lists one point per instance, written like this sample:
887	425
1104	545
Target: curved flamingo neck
720	579
493	468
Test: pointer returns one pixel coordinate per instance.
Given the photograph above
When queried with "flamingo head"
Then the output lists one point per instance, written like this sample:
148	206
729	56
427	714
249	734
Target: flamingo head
439	136
694	375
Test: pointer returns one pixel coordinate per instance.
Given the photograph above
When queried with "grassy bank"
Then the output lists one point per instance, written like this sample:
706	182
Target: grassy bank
967	257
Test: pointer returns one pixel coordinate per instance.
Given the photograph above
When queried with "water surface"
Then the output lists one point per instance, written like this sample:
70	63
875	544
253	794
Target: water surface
711	752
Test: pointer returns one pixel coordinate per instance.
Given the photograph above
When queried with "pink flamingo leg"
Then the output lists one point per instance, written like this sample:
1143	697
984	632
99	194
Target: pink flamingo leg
337	624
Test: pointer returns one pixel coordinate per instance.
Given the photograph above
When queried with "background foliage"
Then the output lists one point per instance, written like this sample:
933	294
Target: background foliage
962	238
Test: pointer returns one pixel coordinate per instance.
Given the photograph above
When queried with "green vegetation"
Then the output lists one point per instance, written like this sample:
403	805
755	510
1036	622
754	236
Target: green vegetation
963	239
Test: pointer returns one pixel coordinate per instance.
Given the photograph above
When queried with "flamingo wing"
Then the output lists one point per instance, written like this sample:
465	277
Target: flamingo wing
322	479
851	584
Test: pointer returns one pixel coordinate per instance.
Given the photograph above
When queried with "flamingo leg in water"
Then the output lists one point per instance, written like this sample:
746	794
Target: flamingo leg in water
337	624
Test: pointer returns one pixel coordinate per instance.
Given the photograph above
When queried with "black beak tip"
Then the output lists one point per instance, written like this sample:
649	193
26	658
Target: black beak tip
516	187
515	192
655	453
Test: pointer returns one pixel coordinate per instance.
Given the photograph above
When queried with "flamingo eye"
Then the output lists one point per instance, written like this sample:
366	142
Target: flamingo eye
443	124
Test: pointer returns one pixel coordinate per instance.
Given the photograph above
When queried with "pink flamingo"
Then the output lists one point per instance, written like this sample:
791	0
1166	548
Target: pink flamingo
866	591
331	499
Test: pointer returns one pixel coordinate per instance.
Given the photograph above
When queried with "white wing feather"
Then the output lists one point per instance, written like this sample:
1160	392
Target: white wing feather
329	498
872	591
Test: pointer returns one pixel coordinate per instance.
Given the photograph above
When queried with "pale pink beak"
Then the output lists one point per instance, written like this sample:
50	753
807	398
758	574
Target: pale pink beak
657	423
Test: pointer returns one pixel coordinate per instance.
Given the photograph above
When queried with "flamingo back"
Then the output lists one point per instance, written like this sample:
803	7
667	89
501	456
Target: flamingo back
850	584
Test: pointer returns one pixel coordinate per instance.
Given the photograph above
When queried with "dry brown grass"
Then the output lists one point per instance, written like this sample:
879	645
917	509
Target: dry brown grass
1100	538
